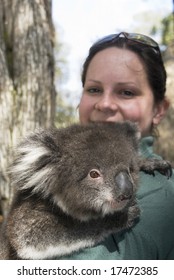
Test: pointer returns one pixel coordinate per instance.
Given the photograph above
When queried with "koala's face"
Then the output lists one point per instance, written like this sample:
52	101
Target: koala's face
87	171
100	172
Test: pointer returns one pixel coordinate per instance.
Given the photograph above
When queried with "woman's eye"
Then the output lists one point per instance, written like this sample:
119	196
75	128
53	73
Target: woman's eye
94	90
127	93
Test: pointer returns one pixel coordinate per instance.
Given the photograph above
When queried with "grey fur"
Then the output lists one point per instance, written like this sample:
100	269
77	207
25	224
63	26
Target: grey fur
73	187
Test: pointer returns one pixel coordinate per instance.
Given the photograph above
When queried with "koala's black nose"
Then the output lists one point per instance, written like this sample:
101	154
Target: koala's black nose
123	182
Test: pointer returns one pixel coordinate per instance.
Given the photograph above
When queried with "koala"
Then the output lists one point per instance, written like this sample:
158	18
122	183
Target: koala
73	187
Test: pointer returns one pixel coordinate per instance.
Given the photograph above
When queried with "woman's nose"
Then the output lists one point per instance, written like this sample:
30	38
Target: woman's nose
106	103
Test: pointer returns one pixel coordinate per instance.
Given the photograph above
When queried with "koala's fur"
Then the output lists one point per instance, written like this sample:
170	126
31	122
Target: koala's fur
73	187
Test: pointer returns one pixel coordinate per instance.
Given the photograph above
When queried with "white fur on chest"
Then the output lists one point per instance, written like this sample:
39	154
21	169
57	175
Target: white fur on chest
31	252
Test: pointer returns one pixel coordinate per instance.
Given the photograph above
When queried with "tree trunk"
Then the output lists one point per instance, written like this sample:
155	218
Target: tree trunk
27	92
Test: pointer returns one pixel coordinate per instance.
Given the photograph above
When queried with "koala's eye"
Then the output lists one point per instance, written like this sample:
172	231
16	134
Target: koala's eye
94	173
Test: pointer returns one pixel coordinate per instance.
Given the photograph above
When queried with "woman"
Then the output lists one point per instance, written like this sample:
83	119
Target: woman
124	78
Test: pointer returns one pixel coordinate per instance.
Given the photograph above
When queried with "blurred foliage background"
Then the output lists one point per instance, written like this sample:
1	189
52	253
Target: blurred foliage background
164	144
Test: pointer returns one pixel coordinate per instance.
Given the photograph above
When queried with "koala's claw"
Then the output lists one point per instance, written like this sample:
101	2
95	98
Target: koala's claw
162	166
166	169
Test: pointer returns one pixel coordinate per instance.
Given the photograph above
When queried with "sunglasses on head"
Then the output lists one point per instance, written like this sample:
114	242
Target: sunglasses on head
134	37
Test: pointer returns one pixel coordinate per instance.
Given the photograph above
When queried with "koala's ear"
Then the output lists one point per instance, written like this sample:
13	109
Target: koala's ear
35	159
133	129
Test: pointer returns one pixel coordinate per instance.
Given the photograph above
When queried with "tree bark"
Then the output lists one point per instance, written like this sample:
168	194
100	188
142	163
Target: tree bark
27	91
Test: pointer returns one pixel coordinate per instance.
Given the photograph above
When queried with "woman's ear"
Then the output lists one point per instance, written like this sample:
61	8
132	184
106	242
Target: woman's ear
160	111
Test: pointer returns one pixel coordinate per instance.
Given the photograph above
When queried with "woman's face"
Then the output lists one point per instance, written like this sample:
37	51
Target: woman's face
116	89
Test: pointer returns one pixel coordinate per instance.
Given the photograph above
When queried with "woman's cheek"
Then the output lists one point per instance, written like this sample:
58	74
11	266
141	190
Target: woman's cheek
85	109
131	112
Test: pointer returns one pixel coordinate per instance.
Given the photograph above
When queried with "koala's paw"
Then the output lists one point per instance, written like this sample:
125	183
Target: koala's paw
151	165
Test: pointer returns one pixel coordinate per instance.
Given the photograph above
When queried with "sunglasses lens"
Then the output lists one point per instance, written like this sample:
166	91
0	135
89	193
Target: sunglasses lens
141	39
106	39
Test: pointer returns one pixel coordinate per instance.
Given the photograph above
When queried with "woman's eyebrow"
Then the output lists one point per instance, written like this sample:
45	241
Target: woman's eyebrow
95	81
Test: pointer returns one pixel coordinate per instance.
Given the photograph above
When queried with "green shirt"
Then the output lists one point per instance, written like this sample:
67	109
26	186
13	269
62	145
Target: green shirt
152	238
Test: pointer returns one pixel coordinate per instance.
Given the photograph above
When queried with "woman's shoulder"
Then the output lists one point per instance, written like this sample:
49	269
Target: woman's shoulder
156	200
157	187
156	195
